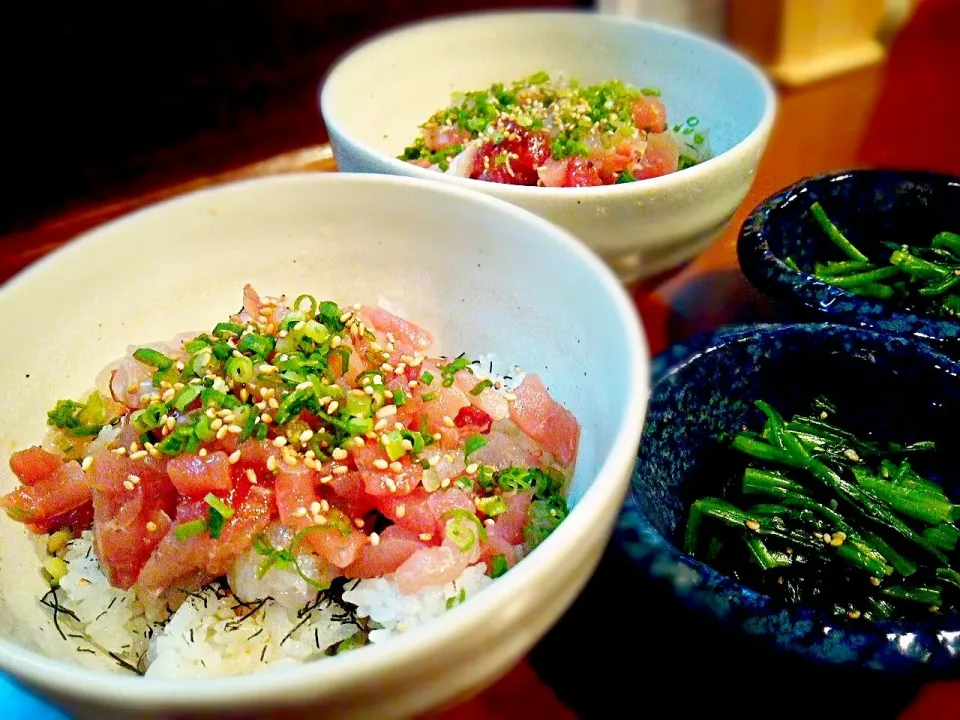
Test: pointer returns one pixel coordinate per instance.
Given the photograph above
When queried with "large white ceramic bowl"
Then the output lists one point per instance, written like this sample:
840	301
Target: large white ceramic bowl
375	98
483	274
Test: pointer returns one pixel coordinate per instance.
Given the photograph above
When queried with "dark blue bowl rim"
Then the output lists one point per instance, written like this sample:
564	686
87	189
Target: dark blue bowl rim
774	278
663	550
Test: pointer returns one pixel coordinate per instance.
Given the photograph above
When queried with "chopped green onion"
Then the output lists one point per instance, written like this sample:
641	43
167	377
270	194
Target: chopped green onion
153	358
329	314
481	386
427	377
227	328
215	523
211	398
191	529
427	397
219	505
258	345
149	417
492	506
399	397
239	369
292	405
185	396
358	405
311	305
393	443
464	528
498	566
472	444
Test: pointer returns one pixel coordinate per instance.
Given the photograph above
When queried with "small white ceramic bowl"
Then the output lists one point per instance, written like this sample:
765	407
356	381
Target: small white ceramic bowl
483	275
375	98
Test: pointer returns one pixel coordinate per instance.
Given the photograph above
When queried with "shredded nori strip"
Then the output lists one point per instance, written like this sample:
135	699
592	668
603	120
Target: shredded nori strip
234	624
124	664
57	609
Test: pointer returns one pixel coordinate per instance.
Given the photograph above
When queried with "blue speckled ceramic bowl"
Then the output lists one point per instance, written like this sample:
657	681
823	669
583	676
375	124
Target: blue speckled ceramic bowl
888	385
870	206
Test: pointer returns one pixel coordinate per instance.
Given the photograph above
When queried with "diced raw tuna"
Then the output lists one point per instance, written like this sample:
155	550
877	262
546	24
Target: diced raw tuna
515	160
650	114
395	546
379	482
545	420
60	492
34	464
195	476
661	157
128	524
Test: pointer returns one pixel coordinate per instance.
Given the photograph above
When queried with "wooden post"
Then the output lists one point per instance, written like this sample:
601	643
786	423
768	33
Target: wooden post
801	41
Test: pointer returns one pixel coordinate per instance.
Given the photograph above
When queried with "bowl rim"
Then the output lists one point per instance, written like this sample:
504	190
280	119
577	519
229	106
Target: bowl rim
664	183
318	680
774	278
667	553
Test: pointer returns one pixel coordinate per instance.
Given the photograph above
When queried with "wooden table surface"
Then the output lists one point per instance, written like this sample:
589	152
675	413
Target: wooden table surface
820	128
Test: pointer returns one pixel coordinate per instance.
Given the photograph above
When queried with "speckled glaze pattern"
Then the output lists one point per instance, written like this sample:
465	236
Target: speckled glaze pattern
869	206
891	386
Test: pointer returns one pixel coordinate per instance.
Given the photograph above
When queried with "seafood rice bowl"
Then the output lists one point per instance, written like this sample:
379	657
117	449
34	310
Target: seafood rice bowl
301	480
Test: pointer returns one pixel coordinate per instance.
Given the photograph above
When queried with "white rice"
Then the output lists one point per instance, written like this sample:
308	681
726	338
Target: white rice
214	633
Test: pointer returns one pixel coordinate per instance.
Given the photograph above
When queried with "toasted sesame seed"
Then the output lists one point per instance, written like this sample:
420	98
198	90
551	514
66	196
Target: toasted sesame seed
325	479
234	457
202	452
340	470
875	581
216	424
251	476
300	512
335	341
87	462
333	406
827	538
138	455
290	459
235	429
445	483
374	539
489	522
279	441
387	411
396	466
381	464
171	423
391	485
387	367
426	537
401	510
472	468
437	436
359	522
305	385
753	525
412	384
272	463
339	454
222	432
128	485
381	424
448	421
367	389
854	614
120	451
358	441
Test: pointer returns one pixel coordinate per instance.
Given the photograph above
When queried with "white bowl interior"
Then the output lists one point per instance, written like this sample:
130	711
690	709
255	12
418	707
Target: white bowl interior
482	275
384	90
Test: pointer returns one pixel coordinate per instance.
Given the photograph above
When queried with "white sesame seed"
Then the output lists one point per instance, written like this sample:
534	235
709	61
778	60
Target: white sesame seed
272	463
128	485
325	479
306	435
279	441
489	522
202	452
235	429
445	483
367	389
251	476
448	421
381	464
335	341
222	432
305	385
374	539
332	407
426	537
472	468
300	512
87	462
138	455
339	454
234	457
401	510
120	451
315	508
396	466
387	411
216	424
340	470
391	485
290	459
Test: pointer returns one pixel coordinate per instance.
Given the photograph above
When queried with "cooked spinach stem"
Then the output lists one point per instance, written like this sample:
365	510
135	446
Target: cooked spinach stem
945	285
902	564
833	232
841	267
926	595
916	266
862	279
948	241
830	499
763	557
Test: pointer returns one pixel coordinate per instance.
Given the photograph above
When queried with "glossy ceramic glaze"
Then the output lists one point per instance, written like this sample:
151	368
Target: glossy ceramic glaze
354	239
375	99
889	385
869	206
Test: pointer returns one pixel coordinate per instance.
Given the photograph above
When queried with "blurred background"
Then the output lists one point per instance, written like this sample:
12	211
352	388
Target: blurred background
107	100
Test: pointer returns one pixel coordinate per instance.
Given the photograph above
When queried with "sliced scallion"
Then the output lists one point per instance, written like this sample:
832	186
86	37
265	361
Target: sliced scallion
153	358
190	529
